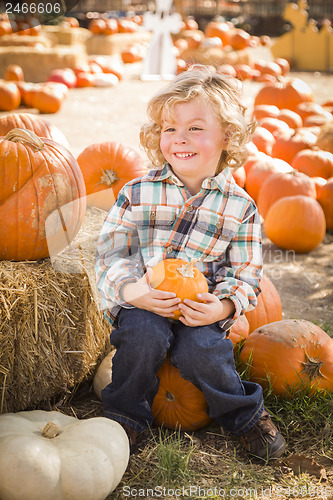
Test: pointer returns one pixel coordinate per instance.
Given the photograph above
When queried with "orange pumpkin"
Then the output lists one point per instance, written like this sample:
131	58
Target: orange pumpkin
178	403
265	110
262	167
180	277
292	354
106	167
319	183
280	184
132	54
284	64
14	73
240	176
35	123
325	198
269	307
286	146
220	29
314	163
240	39
275	126
39	177
263	139
10	96
296	223
287	93
291	118
48	98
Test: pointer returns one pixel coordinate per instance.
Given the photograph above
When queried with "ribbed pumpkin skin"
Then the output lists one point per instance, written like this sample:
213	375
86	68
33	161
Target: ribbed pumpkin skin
107	166
296	223
287	94
314	163
279	185
35	184
38	125
178	403
268	309
286	351
167	277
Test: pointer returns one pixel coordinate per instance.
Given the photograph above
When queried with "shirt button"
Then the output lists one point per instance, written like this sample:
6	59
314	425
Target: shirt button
190	208
218	225
152	216
169	250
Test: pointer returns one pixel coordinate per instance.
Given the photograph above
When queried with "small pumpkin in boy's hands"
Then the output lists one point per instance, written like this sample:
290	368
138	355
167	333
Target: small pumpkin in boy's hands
180	277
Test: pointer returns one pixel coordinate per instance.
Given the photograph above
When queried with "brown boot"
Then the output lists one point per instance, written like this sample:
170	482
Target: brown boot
263	440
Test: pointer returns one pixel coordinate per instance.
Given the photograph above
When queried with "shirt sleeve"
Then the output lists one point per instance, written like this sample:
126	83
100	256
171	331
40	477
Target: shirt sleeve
239	280
118	255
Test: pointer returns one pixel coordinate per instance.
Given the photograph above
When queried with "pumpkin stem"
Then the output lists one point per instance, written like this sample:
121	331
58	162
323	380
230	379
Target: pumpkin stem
25	135
109	177
311	366
51	430
187	269
169	397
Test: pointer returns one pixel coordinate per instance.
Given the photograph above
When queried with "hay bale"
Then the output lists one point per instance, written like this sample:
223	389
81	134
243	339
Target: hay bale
114	44
52	332
25	40
217	56
66	36
37	63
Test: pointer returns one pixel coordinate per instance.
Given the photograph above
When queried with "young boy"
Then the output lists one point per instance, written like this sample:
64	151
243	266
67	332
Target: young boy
189	207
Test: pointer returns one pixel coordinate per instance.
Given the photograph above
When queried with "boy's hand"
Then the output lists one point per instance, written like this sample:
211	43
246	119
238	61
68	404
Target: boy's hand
205	313
141	295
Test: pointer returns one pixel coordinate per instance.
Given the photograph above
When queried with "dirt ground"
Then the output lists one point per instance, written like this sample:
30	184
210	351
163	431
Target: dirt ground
91	115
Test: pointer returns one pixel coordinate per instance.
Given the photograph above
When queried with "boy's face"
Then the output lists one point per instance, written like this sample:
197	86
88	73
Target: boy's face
192	140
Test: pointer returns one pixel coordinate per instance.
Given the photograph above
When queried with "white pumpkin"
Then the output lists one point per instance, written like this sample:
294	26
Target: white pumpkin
45	455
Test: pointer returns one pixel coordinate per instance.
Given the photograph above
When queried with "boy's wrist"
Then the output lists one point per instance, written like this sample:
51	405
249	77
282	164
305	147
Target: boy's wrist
229	308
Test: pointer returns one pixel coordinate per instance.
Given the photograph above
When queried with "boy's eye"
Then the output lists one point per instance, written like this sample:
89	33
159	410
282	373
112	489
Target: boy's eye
169	129
195	128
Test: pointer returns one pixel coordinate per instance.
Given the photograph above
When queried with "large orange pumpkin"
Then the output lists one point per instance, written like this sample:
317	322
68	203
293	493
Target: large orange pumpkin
290	353
296	223
262	167
325	198
180	277
280	184
178	403
269	307
38	177
35	123
106	167
314	163
287	93
287	145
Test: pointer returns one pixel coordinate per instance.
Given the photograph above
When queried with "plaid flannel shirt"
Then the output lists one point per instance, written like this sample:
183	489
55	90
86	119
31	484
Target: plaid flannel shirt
155	217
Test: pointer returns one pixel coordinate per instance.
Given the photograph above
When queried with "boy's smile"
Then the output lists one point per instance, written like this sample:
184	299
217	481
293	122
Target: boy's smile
192	141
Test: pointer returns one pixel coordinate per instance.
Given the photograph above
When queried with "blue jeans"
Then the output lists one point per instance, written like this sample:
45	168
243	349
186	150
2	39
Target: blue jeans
203	355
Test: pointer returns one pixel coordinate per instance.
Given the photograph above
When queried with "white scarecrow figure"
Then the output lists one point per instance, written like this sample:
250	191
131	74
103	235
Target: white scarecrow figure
160	61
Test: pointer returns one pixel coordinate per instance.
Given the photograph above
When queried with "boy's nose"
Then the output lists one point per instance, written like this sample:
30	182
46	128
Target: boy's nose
181	138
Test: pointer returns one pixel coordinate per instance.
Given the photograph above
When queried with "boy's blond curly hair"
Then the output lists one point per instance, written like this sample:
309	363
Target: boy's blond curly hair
223	92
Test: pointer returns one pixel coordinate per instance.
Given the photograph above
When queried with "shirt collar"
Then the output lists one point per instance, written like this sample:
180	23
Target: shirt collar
223	181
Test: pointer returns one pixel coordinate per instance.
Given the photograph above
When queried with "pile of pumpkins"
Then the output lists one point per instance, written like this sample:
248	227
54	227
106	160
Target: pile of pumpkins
48	97
289	172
